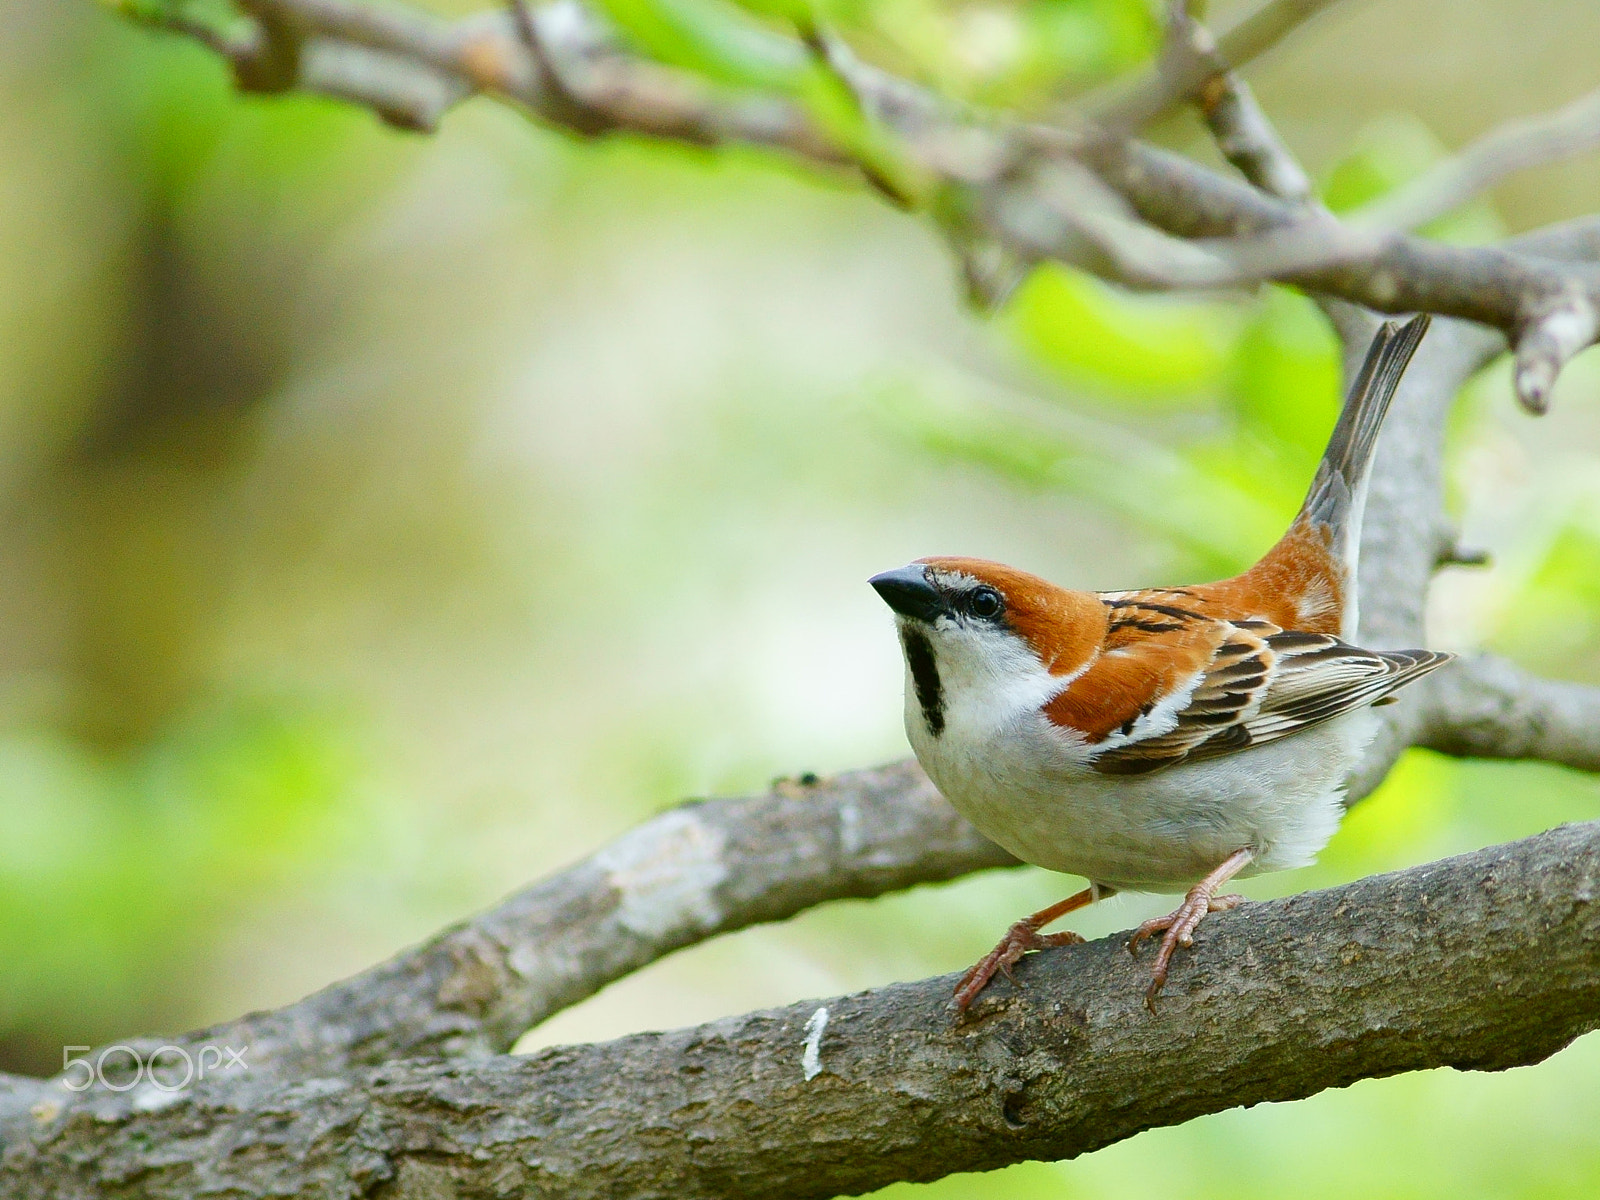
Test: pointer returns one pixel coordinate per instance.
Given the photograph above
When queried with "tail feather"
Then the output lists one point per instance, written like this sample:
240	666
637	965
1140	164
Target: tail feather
1337	492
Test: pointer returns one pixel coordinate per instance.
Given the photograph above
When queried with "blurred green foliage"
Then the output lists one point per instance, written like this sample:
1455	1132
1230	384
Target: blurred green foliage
1020	55
1227	408
113	868
1564	589
529	486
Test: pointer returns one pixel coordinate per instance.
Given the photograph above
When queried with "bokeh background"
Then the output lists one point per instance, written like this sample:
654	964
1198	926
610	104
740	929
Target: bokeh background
386	521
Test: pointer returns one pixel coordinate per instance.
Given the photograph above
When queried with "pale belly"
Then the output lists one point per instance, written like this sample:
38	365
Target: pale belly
1028	791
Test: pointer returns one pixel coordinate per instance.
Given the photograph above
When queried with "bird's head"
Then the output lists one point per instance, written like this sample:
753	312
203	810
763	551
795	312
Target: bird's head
980	632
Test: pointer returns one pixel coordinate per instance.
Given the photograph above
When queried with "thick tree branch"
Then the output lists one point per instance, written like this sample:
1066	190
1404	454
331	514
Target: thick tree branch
698	870
1482	962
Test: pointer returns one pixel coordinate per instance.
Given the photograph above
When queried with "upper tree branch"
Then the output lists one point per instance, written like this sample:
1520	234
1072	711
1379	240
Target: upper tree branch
1485	961
1548	310
1012	174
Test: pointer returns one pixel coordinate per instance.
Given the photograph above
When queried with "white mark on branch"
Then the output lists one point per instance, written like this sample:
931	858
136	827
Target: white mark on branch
811	1060
1547	344
850	841
154	1099
667	872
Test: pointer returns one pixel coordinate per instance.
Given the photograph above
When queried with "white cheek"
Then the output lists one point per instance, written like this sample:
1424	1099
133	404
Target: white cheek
989	675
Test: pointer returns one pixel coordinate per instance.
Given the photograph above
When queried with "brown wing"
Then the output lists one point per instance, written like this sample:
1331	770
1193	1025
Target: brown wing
1207	713
1155	644
1298	584
1262	684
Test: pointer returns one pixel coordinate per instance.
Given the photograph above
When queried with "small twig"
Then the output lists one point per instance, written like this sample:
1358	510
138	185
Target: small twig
275	67
835	57
1066	204
1249	141
1184	68
1265	28
1192	67
1242	132
563	97
1487	707
1515	146
1553	334
400	92
990	271
241	46
1454	554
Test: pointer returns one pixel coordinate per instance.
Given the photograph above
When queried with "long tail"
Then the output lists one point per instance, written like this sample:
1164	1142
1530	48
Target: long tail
1338	493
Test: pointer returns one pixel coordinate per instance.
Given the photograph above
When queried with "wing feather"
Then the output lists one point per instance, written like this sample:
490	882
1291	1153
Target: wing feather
1264	683
1229	690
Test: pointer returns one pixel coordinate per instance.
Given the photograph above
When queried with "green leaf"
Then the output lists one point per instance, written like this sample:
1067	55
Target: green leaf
711	39
1286	377
1157	350
1394	150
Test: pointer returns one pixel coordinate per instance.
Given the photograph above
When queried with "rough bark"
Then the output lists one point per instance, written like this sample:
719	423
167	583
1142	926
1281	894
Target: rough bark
1483	962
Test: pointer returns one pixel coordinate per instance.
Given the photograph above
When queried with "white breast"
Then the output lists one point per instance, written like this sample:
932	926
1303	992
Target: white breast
1028	786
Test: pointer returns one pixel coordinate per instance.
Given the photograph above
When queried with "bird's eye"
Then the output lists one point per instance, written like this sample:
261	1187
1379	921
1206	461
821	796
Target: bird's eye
984	603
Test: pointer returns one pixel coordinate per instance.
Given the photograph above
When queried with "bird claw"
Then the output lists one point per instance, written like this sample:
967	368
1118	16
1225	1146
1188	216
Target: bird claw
1179	926
1022	937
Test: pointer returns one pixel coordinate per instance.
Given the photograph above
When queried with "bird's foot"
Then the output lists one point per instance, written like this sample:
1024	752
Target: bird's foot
1179	925
1019	939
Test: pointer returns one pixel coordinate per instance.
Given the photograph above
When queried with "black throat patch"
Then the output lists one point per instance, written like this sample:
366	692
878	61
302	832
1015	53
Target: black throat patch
924	676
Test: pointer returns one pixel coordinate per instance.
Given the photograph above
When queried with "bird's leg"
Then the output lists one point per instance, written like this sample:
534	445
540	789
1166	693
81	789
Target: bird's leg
1021	938
1180	924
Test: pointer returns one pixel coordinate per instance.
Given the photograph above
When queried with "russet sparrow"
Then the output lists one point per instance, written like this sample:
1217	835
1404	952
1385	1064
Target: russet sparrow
1167	738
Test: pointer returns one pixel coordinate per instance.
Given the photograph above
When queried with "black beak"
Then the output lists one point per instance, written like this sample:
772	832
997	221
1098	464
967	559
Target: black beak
909	593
